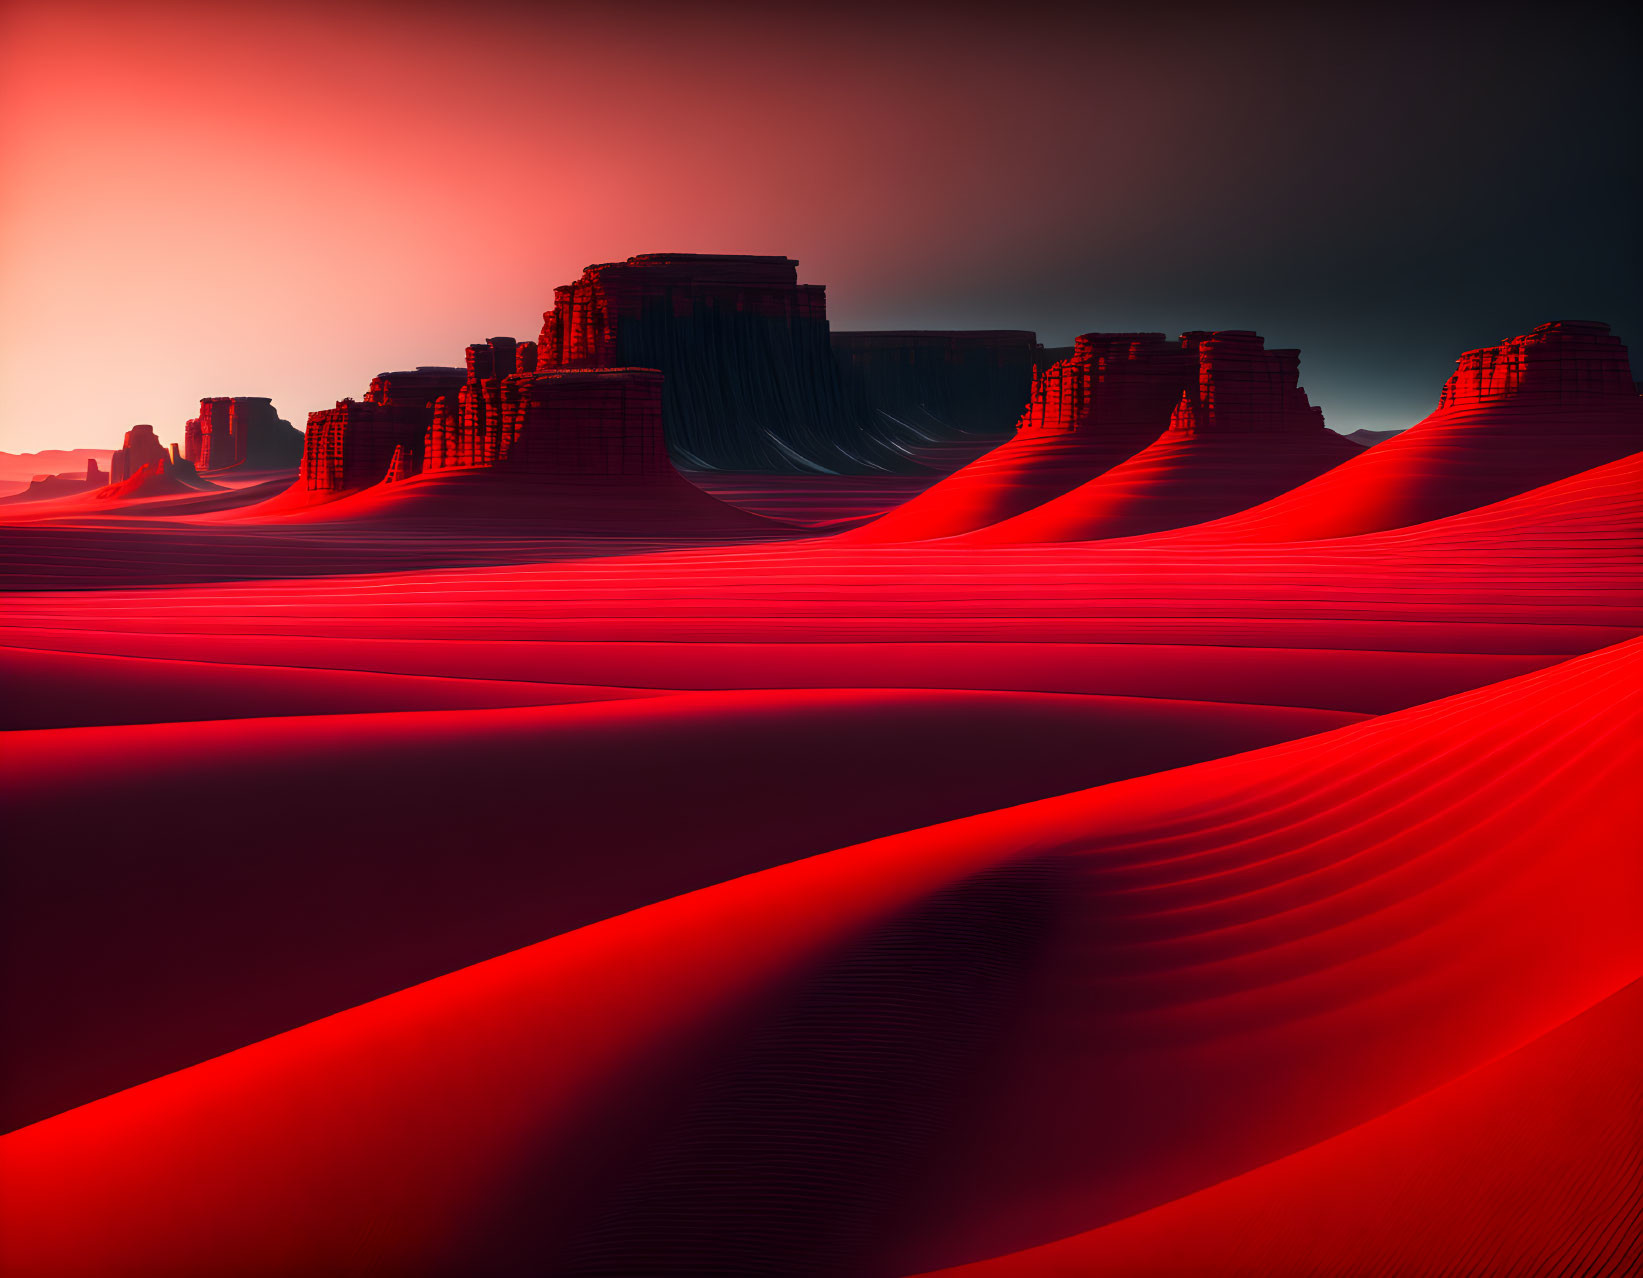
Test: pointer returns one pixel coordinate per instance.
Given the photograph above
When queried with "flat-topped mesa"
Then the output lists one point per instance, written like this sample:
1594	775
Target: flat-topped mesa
938	383
749	377
241	430
1114	383
1574	363
352	445
141	447
1243	389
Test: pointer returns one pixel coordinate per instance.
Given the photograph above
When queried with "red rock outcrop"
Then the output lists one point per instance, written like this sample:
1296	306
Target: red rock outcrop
1242	433
465	422
751	383
241	430
1243	388
352	445
1527	412
141	447
577	451
1088	413
604	421
931	386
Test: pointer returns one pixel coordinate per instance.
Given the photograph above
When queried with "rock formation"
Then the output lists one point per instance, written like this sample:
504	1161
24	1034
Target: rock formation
243	431
937	385
352	445
140	448
575	451
68	484
1241	433
1088	413
750	380
465	423
1529	411
1244	388
1568	363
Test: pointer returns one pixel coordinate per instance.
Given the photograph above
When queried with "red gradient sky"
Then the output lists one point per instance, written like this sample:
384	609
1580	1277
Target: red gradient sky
286	199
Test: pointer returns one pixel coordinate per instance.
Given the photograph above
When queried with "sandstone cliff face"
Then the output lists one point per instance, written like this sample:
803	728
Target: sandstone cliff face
932	386
1241	433
352	445
1113	384
561	422
749	377
465	422
550	422
140	448
1243	388
241	430
1573	363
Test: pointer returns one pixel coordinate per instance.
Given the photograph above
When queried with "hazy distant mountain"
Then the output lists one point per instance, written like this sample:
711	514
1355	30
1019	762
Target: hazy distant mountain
16	469
1369	438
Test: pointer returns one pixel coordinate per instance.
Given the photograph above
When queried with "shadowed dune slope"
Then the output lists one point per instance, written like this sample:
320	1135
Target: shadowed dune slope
936	1048
80	690
1019	474
225	881
1532	411
1178	480
622	505
1531	1165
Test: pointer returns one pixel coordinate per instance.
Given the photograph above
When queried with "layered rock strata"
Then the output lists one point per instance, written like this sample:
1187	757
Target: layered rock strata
352	445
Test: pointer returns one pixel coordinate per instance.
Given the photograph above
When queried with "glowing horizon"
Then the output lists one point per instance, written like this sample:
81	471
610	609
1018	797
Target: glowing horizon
285	202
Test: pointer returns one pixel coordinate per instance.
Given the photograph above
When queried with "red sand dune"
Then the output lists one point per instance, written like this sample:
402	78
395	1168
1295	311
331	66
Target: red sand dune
485	498
1371	623
1528	1165
1285	1006
1180	479
156	479
1106	403
370	852
931	1049
1242	432
78	690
